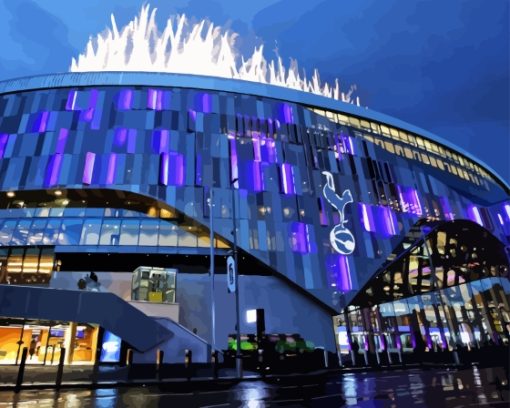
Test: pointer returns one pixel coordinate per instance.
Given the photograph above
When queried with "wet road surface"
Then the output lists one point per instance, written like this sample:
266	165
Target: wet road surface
473	387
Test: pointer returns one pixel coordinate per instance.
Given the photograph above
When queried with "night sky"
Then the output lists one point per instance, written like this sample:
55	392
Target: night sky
441	65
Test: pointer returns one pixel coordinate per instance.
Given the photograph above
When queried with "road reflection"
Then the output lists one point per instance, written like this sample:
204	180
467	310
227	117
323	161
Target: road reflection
397	388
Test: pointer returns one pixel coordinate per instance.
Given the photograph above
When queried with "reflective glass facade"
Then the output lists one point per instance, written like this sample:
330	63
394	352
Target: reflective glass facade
287	159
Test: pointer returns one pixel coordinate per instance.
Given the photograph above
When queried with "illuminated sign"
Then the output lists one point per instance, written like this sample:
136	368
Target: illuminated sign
341	238
110	349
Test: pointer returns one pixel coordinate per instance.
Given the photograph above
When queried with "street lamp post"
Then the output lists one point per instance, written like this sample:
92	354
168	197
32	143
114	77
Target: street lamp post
211	269
239	361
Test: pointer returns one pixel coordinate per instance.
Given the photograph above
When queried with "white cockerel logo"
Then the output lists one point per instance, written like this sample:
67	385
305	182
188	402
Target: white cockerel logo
341	238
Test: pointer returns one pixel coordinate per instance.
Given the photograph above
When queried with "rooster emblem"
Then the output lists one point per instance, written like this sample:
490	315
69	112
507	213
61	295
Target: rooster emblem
341	238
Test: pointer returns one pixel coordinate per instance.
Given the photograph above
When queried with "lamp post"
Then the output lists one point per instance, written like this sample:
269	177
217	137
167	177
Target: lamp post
239	361
211	269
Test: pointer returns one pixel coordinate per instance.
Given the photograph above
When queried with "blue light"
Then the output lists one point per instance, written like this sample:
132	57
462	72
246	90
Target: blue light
110	348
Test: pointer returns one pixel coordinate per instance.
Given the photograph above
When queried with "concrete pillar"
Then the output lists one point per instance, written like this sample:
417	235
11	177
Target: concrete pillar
69	341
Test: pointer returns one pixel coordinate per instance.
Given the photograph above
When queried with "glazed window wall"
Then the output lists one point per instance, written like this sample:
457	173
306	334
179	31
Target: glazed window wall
96	226
469	316
174	151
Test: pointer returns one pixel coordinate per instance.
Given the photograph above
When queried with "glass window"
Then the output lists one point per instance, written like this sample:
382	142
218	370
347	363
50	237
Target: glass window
90	232
110	232
37	231
6	232
167	234
187	239
129	232
71	232
20	234
51	232
149	231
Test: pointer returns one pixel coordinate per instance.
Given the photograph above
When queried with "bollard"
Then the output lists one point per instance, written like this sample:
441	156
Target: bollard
60	369
129	362
159	364
214	362
21	370
326	358
188	361
260	361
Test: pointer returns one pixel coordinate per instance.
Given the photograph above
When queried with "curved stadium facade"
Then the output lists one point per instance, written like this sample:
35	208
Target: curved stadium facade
340	211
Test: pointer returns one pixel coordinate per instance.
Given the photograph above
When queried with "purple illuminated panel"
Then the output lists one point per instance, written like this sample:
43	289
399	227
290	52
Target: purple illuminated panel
507	210
53	170
409	201
198	169
447	209
255	137
287	179
286	114
88	171
155	99
125	100
164	162
257	178
299	237
87	114
206	103
234	170
41	122
112	167
473	214
160	139
71	100
378	219
171	169
4	138
338	272
61	141
120	137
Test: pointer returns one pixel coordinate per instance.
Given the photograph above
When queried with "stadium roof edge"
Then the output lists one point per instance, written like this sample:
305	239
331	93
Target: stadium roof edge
72	79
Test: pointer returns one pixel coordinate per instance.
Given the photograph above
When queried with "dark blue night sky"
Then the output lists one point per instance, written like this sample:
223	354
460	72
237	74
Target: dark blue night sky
441	65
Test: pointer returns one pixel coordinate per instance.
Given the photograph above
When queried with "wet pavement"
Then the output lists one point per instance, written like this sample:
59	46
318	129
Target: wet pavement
471	387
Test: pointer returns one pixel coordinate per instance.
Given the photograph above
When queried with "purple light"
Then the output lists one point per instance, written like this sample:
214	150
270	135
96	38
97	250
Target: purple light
192	115
171	169
120	137
160	139
90	159
339	274
206	103
234	170
474	215
286	113
4	138
287	179
112	166
507	209
500	219
298	237
257	179
61	141
125	99
53	170
41	122
71	100
447	209
256	145
378	219
155	99
164	161
409	200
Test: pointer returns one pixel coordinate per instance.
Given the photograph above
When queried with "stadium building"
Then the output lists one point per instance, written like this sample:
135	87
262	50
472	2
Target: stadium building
359	232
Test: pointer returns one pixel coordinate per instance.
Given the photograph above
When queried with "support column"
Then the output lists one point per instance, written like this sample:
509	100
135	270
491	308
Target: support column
69	340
